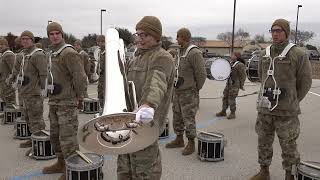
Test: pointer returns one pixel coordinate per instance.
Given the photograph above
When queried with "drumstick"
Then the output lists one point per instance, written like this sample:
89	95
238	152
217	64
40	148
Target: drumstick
84	157
310	165
46	132
212	134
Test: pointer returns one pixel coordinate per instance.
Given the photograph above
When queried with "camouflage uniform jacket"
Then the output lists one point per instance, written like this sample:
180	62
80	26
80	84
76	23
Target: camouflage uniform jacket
68	73
152	72
35	71
237	76
293	74
6	64
86	61
192	70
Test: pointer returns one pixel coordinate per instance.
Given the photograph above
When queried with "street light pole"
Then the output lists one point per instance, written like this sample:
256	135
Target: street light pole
102	10
233	24
295	38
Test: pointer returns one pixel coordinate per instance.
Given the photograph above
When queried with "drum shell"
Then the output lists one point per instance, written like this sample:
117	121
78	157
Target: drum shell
252	69
165	133
90	105
210	148
77	168
10	115
41	146
22	129
305	172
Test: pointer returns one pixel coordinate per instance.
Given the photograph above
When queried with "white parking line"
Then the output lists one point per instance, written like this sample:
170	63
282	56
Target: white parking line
314	93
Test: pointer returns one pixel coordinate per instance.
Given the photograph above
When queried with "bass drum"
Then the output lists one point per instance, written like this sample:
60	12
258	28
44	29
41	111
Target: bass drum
218	69
252	69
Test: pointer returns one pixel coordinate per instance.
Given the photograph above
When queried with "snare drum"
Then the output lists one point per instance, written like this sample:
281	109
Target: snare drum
77	168
252	69
218	69
22	128
165	133
90	105
10	115
2	105
210	146
308	171
41	146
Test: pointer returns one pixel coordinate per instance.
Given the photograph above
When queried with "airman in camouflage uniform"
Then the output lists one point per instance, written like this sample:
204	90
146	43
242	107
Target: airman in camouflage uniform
69	82
190	77
293	77
31	63
85	60
234	83
101	68
7	59
152	71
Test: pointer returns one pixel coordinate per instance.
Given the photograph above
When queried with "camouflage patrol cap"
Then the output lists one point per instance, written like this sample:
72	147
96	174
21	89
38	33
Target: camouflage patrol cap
54	26
27	33
101	38
3	41
284	24
151	25
185	34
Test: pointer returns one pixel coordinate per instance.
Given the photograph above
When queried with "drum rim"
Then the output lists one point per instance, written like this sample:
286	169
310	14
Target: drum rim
34	136
88	167
299	170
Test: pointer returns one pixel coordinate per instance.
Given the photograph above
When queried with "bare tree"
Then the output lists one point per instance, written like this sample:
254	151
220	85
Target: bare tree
197	40
242	35
302	36
259	38
126	35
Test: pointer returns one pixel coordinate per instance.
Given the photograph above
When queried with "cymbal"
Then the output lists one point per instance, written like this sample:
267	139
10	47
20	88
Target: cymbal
117	134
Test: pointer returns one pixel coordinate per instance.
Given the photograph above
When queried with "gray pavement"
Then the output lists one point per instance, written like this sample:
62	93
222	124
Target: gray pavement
240	153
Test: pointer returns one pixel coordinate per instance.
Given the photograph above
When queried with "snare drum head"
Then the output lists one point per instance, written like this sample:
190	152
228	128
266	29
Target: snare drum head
220	69
75	162
213	136
309	171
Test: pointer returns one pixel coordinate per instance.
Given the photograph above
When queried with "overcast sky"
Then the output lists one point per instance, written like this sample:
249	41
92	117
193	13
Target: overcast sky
204	18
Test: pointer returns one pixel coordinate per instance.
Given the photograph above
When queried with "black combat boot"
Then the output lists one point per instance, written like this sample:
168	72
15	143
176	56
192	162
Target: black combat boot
262	175
177	143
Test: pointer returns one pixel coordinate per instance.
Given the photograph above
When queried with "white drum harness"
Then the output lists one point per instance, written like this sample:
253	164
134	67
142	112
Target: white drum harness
264	100
176	77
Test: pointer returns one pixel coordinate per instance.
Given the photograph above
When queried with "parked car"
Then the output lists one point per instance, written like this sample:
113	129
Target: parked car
313	55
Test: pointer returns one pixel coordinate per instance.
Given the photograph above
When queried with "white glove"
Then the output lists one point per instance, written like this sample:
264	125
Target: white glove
44	93
144	115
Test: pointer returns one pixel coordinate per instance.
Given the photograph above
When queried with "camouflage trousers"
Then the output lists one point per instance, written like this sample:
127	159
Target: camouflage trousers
141	165
185	107
287	129
33	112
230	94
63	129
101	94
7	94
